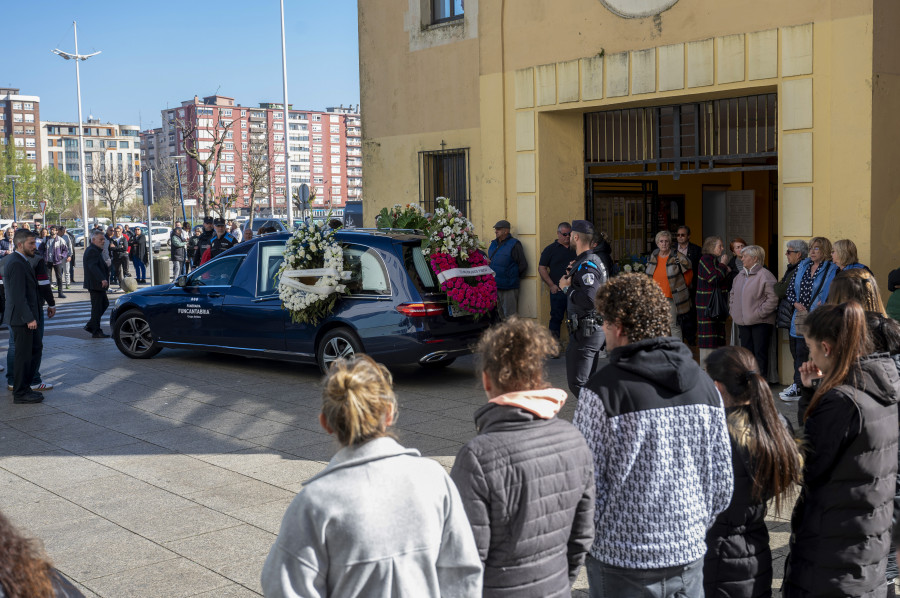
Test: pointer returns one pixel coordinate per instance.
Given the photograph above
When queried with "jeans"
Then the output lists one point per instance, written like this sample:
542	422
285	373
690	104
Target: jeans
180	269
558	304
140	270
800	353
756	339
56	270
36	358
606	581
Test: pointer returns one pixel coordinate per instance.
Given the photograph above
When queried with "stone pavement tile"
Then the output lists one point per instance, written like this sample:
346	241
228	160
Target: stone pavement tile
238	425
38	423
170	406
581	584
445	455
134	422
453	430
224	547
167	525
466	414
247	572
101	440
15	444
422	442
56	469
407	415
293	441
10	411
289	474
146	458
176	578
91	548
15	490
267	516
190	439
232	591
120	496
427	403
44	511
322	452
228	499
204	477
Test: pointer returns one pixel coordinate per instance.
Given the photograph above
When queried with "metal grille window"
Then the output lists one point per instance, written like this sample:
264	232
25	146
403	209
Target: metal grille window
445	173
729	134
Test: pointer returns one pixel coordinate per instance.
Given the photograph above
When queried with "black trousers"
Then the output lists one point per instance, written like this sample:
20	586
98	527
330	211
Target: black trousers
57	269
756	339
120	267
583	358
28	347
99	303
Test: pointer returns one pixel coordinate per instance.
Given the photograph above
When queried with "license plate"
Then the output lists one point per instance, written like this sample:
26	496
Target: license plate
450	310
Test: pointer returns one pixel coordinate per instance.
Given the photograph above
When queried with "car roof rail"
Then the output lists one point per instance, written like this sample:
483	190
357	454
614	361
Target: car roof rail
409	231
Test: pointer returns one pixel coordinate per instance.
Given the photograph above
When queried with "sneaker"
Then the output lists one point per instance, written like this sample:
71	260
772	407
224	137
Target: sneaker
790	394
9	387
41	386
67	286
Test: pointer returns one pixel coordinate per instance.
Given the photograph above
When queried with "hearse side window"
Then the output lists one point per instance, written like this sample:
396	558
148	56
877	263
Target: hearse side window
419	269
217	273
270	257
368	275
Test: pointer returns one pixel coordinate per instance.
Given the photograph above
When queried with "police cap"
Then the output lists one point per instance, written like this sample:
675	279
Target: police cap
582	226
208	220
219	222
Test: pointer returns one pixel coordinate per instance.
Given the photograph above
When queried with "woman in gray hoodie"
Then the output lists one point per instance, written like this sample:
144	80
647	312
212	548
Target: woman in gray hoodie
379	520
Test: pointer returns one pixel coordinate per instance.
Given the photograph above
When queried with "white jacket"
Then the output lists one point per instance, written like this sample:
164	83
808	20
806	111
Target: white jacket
379	521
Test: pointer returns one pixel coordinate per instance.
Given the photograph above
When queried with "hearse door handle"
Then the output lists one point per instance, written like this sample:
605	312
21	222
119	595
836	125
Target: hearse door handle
214	294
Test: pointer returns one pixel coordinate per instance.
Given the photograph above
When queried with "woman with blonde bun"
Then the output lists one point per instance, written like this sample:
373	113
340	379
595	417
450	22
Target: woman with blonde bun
379	520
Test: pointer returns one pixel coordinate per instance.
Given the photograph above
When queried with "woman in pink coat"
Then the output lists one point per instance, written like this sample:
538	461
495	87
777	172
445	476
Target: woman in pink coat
753	303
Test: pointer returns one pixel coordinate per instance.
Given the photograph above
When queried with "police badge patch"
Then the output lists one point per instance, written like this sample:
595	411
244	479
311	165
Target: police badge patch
588	278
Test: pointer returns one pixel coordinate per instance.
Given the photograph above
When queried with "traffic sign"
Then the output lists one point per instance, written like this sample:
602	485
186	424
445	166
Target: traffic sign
190	202
43	205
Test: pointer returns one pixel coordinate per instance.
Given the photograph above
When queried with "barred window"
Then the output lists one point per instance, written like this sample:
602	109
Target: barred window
445	173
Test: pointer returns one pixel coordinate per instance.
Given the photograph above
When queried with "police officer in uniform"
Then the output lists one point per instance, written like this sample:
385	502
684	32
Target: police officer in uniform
583	278
222	240
204	241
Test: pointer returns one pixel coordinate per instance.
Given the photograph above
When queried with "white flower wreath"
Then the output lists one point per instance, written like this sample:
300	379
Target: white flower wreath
313	255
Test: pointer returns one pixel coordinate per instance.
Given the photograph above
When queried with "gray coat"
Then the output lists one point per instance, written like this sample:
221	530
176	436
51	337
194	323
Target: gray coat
527	485
378	522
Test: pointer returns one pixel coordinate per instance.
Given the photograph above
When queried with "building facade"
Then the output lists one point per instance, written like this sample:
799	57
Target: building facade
325	152
112	145
20	118
766	120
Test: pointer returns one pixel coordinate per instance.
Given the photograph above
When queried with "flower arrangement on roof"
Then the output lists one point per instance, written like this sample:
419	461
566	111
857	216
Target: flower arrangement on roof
409	216
311	276
455	256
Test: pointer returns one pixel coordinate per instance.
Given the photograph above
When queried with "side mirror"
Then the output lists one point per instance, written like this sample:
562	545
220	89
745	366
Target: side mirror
181	281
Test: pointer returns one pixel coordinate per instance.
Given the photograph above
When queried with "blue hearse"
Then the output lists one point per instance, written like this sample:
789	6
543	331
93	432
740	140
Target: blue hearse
393	312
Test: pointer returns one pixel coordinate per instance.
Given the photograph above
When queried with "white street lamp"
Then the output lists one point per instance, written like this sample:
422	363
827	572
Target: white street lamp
288	197
78	58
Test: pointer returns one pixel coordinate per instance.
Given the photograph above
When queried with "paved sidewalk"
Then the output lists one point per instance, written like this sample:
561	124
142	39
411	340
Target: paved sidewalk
169	476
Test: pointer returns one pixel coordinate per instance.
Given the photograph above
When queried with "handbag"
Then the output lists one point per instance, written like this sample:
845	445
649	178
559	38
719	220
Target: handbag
717	308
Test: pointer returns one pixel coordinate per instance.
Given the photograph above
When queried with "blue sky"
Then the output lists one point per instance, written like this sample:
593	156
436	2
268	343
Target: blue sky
157	54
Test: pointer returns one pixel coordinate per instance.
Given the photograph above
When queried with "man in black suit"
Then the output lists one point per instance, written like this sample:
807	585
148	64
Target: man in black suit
693	252
96	281
22	305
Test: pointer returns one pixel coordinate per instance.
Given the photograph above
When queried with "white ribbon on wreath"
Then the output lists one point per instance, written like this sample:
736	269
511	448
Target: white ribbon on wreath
462	272
287	278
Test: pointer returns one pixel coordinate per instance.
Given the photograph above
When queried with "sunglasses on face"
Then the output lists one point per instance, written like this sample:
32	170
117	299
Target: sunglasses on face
564	234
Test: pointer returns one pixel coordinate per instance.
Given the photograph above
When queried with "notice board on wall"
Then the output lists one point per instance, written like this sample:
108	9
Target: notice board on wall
740	216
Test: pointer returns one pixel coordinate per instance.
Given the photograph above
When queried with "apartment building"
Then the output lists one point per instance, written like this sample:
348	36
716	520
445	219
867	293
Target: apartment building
20	119
324	147
112	144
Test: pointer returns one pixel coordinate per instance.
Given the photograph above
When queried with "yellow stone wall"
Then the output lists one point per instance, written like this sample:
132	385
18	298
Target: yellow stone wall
516	95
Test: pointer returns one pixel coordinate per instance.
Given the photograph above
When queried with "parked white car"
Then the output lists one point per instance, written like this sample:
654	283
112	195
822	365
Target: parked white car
159	237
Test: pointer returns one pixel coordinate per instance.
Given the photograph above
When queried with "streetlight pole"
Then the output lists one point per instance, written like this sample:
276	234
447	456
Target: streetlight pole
288	197
77	58
12	178
180	192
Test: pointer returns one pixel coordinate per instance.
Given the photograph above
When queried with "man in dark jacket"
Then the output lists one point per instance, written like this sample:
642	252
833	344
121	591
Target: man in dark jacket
662	455
118	252
204	241
178	244
192	246
96	281
222	241
139	252
507	259
693	252
22	305
555	258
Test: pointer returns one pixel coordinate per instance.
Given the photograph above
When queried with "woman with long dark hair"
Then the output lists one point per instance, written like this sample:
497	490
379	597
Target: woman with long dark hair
766	465
25	571
840	528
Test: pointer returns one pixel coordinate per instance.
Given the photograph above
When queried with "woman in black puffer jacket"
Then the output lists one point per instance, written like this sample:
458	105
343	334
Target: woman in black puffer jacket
840	528
767	465
527	479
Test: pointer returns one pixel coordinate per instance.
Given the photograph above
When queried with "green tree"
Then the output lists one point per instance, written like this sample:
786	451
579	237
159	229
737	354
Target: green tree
57	189
13	162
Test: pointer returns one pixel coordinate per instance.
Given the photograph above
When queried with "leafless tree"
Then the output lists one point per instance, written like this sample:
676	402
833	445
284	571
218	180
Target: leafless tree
165	189
204	145
115	185
257	167
222	203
